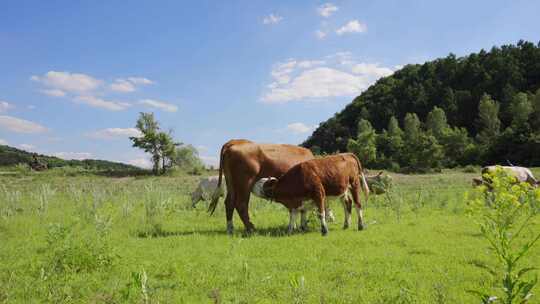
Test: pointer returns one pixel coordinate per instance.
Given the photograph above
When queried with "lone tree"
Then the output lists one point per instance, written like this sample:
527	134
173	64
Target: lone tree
158	143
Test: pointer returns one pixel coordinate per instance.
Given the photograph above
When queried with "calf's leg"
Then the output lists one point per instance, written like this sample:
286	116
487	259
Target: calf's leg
292	220
303	219
347	208
318	199
357	206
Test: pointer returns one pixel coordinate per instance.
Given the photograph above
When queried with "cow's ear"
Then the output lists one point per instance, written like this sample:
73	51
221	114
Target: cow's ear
380	173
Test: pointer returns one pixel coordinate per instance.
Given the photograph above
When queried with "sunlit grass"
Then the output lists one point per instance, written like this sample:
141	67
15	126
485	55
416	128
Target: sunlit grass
115	240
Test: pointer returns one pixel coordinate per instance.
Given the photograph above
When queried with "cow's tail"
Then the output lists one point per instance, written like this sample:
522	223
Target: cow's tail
365	186
217	193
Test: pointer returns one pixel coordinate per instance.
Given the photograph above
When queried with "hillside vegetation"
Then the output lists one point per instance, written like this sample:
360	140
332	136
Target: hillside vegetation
10	156
485	108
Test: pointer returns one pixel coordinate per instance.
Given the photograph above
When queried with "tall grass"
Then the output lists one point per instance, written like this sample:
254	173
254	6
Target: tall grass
94	239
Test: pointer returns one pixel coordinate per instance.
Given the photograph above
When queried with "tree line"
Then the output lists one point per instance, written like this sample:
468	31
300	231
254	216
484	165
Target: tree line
434	143
480	109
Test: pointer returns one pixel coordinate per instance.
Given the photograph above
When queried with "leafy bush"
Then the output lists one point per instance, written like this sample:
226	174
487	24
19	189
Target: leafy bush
67	252
506	209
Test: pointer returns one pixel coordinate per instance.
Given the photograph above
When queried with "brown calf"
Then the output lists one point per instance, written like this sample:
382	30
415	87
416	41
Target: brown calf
315	180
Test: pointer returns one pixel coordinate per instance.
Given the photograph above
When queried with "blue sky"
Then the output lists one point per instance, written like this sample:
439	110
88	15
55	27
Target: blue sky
75	74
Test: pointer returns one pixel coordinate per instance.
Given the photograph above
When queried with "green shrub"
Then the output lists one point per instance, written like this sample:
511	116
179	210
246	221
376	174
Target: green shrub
505	210
69	249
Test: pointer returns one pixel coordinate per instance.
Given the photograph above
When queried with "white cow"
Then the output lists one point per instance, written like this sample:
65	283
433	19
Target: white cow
522	174
207	186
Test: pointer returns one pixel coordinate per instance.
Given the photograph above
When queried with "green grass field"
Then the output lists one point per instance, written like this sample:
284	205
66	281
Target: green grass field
67	237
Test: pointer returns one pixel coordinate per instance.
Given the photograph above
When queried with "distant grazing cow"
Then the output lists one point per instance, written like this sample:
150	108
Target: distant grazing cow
243	162
379	184
206	187
315	180
521	174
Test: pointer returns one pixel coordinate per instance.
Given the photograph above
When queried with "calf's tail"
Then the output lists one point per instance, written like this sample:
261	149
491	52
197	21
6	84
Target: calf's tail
365	186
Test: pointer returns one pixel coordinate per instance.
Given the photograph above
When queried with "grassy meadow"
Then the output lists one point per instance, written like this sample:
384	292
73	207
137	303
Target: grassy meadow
70	237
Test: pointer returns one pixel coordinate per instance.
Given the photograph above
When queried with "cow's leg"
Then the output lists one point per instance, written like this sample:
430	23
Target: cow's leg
242	205
358	206
303	219
229	211
347	208
292	220
318	199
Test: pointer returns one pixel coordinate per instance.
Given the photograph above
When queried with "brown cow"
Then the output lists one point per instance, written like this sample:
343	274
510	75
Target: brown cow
243	162
315	180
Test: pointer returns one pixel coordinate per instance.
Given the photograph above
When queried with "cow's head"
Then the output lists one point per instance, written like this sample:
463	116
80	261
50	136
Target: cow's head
264	187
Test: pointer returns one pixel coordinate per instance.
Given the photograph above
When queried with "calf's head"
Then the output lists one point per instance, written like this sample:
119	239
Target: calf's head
264	187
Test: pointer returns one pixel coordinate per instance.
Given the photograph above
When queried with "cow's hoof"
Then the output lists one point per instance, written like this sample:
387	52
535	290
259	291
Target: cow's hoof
250	229
345	226
324	231
361	226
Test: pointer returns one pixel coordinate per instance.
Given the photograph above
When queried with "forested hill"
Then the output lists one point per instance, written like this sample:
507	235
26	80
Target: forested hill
10	156
455	85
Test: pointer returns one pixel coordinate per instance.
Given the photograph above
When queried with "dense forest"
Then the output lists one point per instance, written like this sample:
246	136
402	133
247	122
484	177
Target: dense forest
483	108
10	156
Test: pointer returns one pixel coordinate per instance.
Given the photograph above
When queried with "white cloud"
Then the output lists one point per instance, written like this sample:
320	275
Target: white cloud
299	128
122	85
281	72
20	125
398	67
140	80
371	70
101	103
306	64
4	106
54	93
140	162
320	34
272	19
321	82
327	9
113	133
353	26
74	155
3	142
27	147
159	104
68	82
126	85
338	75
